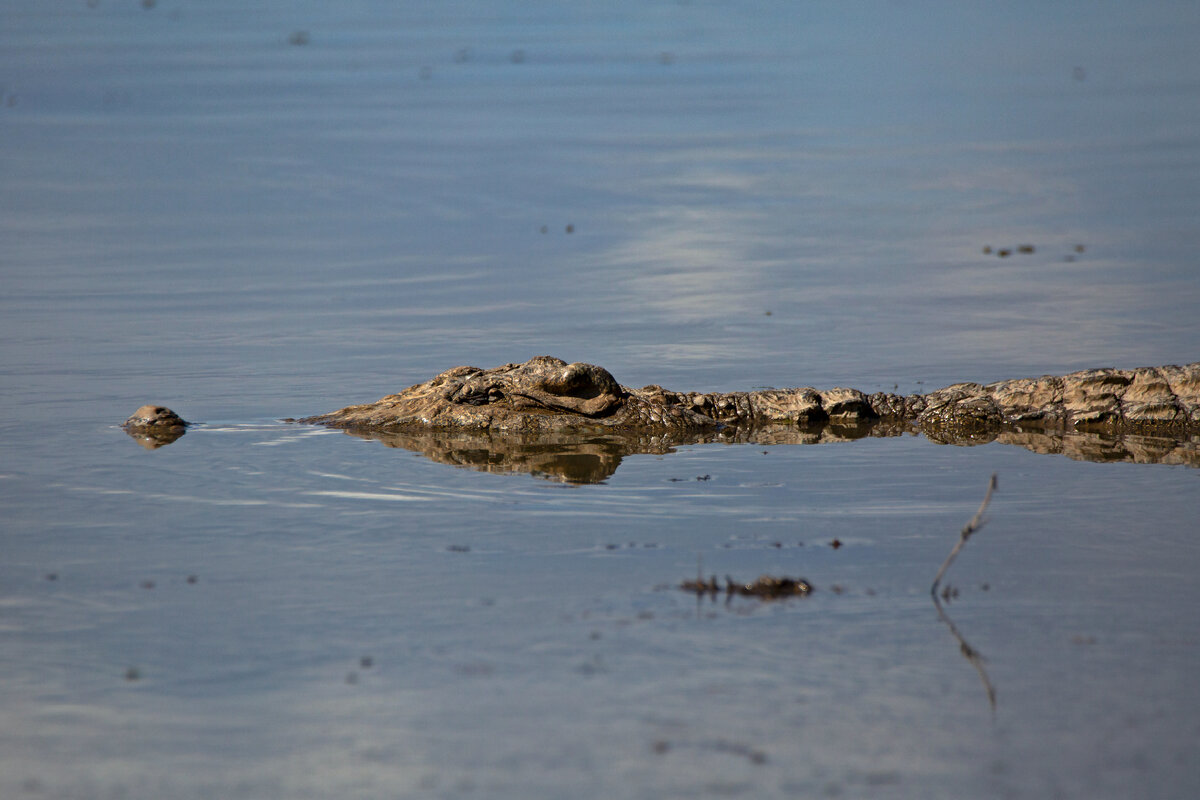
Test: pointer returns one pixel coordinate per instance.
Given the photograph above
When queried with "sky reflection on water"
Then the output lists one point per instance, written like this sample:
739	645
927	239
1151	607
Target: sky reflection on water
201	207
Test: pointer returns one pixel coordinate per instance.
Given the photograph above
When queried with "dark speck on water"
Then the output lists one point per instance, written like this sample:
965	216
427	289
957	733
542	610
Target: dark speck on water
253	212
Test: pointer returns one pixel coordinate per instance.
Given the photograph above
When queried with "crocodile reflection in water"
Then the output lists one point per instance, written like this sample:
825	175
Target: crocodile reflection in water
593	458
574	422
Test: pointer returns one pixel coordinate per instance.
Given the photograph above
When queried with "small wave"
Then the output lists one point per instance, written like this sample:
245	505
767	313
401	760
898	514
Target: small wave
372	496
184	498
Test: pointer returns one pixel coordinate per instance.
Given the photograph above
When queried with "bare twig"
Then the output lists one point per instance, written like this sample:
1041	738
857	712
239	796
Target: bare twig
975	524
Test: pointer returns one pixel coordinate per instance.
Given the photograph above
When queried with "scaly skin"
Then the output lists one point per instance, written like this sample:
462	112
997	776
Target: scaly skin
546	395
574	422
154	426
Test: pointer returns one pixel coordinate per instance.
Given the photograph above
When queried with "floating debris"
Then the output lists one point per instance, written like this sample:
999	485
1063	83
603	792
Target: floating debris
765	587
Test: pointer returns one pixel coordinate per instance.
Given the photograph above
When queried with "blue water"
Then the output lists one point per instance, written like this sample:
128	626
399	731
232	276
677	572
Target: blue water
254	212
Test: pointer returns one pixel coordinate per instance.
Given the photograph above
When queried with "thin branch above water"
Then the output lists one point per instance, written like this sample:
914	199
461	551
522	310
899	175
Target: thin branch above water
974	525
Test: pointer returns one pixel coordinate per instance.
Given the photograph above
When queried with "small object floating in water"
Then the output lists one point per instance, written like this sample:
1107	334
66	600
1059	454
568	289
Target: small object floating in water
765	587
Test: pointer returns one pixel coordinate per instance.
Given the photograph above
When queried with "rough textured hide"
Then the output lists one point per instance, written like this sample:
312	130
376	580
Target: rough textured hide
547	394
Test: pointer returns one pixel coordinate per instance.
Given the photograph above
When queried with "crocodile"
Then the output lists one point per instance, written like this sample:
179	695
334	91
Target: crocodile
537	411
547	394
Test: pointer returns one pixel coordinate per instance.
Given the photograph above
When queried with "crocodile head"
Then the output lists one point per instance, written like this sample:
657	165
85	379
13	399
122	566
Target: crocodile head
540	384
542	394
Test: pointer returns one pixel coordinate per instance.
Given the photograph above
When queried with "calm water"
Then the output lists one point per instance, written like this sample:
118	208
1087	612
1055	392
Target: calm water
252	211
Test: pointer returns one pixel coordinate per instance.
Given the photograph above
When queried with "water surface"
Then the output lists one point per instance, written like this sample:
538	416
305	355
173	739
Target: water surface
249	213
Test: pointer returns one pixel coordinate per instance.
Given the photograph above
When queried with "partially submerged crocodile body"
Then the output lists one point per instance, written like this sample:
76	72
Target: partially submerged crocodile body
575	421
547	394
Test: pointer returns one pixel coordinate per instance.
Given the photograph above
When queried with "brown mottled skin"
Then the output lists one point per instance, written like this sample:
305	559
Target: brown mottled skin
155	426
547	394
154	419
574	422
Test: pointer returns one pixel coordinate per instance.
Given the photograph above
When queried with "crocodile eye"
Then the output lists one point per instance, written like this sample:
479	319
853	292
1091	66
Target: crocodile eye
586	380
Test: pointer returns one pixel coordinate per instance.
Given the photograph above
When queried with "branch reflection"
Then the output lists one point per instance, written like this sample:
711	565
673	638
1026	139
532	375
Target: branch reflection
969	653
